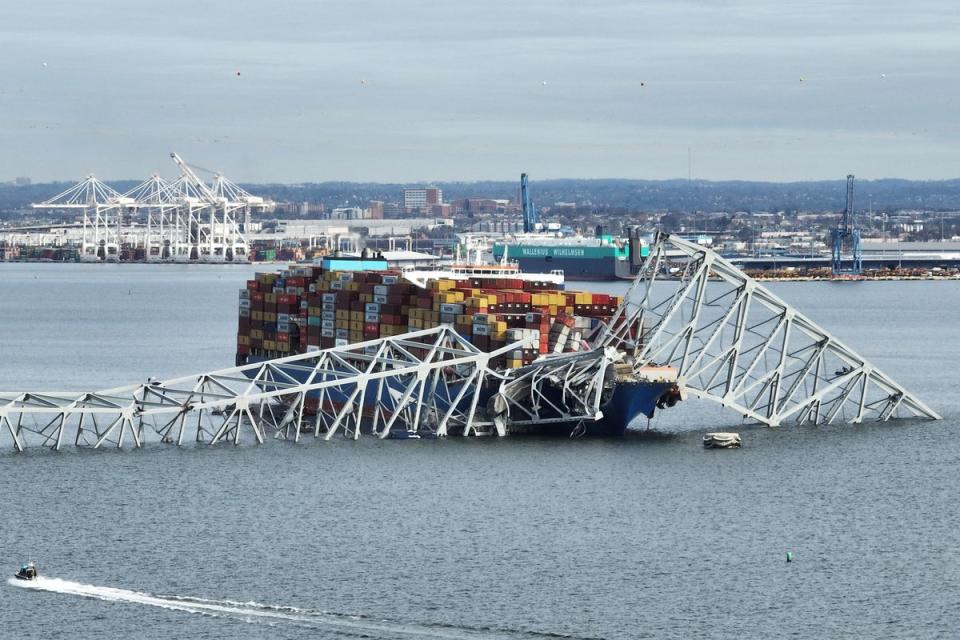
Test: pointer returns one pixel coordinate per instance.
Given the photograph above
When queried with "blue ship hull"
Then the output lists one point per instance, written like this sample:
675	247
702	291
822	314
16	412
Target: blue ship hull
628	401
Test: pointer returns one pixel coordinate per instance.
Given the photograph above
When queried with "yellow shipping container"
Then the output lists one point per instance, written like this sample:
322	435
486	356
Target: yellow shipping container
366	297
257	315
356	326
342	323
269	345
442	284
356	336
356	316
352	286
269	316
283	346
449	297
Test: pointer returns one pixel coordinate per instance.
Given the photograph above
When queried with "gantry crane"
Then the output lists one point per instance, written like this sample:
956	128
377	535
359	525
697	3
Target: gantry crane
846	229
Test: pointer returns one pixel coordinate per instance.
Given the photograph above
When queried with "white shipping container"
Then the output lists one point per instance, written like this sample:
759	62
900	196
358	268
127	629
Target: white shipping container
372	307
342	333
244	294
327	324
451	308
340	342
389	279
371	317
328	315
244	304
283	317
329	297
380	298
481	330
326	333
380	289
312	347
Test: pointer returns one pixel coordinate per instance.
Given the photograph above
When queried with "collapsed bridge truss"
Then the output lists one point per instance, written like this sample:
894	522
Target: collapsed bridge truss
428	382
738	344
730	339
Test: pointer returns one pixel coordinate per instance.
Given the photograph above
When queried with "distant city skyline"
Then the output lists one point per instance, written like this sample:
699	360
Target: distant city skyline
425	91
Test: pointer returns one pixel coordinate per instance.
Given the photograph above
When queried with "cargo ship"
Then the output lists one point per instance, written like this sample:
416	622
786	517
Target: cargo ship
344	301
602	257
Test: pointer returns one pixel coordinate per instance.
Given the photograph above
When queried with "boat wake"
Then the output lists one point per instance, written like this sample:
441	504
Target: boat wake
253	612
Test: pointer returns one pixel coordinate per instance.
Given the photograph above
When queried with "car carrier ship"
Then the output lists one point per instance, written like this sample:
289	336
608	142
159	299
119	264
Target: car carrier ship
600	257
345	301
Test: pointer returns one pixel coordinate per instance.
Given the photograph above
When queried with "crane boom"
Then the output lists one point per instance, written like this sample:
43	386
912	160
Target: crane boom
529	213
208	194
848	210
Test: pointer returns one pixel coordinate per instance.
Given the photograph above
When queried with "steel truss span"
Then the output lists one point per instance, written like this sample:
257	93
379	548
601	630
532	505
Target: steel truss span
730	340
738	344
427	382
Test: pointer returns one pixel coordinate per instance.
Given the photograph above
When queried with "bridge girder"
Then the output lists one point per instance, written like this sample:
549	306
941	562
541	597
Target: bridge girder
736	343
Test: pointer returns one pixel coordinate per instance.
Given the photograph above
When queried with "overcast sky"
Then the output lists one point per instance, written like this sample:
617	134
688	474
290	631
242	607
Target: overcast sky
378	90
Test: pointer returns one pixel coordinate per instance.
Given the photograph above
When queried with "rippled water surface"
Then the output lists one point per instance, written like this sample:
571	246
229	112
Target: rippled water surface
645	536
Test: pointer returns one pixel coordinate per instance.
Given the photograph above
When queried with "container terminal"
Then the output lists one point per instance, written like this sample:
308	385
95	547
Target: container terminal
692	327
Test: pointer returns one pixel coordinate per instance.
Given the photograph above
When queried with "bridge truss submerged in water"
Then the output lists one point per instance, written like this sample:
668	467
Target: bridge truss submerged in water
730	340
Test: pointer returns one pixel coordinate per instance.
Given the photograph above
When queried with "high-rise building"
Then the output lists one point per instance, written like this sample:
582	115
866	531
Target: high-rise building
376	210
419	197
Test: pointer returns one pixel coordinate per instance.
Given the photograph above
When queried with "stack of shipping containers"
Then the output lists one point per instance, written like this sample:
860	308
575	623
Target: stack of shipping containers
309	308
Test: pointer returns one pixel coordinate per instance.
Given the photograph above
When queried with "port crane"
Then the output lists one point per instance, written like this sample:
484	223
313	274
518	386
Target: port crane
844	230
530	220
184	220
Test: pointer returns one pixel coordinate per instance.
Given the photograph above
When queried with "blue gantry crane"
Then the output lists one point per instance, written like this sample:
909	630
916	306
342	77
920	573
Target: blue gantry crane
530	219
846	229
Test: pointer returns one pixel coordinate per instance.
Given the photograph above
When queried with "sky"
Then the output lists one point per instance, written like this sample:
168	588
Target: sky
424	90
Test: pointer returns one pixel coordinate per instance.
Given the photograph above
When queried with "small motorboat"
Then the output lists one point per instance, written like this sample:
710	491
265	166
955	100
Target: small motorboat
403	434
720	440
27	572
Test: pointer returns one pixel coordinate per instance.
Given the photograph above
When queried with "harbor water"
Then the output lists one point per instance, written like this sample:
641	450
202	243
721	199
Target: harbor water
646	536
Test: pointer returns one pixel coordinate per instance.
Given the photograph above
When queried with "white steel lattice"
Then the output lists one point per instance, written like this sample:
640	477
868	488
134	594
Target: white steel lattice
736	343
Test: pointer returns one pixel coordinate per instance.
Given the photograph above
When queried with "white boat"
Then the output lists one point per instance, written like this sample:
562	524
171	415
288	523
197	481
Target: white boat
721	440
479	270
